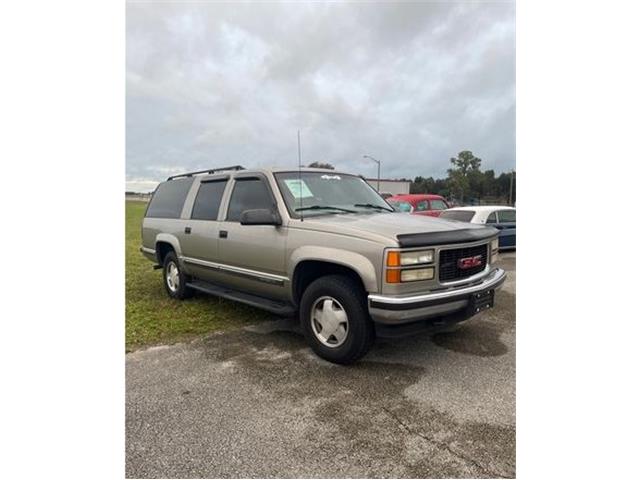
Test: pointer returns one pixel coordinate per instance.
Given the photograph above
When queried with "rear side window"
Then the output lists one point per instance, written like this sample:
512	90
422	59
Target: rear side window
248	194
208	200
168	199
507	216
421	206
460	215
492	218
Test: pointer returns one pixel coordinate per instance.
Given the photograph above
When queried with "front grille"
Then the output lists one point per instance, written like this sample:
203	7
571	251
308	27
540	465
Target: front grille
449	269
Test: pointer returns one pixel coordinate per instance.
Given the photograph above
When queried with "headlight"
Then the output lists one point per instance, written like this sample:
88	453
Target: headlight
396	259
416	274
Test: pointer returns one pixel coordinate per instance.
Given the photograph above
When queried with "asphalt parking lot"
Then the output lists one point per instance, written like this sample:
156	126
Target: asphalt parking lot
256	402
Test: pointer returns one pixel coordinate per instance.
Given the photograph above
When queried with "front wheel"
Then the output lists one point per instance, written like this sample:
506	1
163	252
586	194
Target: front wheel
335	320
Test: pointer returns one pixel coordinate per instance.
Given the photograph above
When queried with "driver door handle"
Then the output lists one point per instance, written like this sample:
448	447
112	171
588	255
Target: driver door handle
223	234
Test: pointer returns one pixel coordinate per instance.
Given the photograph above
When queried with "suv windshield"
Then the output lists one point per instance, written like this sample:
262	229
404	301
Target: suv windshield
324	193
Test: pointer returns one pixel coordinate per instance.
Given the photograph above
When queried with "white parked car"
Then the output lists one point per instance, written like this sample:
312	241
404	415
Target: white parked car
501	217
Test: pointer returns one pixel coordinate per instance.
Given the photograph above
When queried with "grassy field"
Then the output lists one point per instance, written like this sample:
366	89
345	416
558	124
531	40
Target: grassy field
152	317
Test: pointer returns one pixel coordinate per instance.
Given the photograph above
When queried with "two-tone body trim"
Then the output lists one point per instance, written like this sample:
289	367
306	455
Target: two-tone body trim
269	278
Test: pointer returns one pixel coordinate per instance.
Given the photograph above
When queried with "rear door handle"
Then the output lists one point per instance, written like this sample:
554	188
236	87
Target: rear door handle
223	234
187	230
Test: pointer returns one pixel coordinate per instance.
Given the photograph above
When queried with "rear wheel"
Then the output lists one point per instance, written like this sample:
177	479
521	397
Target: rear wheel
175	281
335	320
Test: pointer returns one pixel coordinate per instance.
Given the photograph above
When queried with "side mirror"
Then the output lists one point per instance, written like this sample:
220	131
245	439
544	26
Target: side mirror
261	216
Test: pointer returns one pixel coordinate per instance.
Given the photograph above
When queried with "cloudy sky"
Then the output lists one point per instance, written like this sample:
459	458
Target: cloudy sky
412	84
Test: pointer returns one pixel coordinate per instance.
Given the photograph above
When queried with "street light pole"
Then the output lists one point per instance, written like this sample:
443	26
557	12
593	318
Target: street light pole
378	162
511	188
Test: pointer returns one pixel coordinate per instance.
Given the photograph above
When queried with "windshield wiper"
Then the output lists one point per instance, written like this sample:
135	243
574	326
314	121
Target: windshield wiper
324	207
371	205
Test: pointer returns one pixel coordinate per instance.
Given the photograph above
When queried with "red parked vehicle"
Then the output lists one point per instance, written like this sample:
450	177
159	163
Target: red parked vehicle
419	204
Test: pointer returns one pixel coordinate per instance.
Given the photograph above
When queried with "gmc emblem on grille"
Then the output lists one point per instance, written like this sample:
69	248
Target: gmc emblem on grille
469	262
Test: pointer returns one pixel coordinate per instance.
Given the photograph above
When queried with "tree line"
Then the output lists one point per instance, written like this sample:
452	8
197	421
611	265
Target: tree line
467	183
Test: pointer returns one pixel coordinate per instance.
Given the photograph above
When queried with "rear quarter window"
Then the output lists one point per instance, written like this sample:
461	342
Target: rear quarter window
168	199
438	205
459	215
507	216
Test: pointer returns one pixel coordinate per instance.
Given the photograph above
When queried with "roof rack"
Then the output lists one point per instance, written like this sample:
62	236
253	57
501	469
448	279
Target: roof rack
209	171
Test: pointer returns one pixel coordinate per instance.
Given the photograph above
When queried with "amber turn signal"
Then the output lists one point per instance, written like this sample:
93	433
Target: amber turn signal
393	276
393	260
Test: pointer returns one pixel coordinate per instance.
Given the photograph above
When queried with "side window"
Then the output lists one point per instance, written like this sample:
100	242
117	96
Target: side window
422	206
168	199
248	194
208	200
507	216
492	218
438	205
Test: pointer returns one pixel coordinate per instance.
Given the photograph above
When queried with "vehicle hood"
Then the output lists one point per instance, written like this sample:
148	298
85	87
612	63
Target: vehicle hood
389	226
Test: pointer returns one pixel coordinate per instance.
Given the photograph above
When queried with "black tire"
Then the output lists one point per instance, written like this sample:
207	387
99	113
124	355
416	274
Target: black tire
182	291
351	298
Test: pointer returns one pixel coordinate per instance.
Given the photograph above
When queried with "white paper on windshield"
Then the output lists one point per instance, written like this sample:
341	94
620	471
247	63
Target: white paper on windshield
298	188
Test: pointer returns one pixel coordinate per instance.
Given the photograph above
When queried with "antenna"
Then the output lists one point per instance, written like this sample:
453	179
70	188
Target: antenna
300	178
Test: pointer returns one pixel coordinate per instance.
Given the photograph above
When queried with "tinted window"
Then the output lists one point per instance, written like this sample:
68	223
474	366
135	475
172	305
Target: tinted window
168	199
248	194
507	216
421	206
207	201
460	215
438	205
492	218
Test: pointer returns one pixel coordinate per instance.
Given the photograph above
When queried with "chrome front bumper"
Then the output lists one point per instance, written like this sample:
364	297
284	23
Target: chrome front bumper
404	309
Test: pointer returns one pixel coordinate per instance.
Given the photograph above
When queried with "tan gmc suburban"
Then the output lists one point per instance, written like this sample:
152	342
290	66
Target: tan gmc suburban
322	245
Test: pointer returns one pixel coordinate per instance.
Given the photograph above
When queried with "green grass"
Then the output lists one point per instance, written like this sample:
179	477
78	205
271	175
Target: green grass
152	317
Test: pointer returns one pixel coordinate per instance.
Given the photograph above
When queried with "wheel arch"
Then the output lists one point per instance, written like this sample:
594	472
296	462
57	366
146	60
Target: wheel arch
164	244
308	267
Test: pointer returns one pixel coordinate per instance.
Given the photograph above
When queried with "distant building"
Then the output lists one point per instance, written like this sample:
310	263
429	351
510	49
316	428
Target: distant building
387	185
144	197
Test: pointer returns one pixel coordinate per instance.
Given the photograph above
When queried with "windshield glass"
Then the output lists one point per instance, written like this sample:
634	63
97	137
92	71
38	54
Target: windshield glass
400	206
324	193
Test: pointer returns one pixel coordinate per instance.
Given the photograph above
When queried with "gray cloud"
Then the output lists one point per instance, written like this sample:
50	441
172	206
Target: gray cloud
212	84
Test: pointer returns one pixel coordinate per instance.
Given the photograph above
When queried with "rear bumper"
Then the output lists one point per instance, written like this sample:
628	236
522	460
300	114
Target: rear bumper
396	310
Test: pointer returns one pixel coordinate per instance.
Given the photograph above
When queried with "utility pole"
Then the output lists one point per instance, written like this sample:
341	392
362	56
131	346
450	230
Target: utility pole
511	188
378	162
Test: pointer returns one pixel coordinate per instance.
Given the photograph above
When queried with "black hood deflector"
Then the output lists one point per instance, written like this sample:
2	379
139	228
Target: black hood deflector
444	238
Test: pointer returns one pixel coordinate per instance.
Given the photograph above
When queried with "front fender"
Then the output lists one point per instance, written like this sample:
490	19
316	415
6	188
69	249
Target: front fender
355	261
